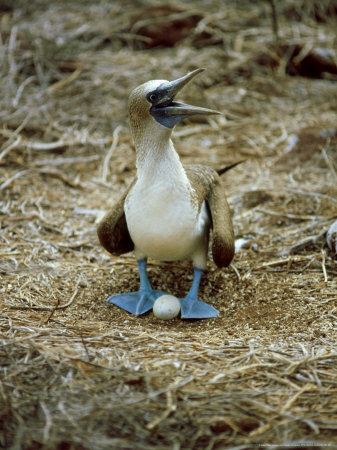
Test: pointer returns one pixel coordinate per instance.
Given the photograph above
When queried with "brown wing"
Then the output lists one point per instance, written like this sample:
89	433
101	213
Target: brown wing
112	230
223	235
209	186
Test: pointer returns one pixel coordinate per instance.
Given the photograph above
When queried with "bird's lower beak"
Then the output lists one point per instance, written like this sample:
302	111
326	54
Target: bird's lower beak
167	111
180	109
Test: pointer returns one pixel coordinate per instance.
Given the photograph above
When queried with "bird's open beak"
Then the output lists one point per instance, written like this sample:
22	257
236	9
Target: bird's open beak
168	112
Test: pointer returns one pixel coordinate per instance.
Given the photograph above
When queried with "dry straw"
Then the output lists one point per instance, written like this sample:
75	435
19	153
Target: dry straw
78	373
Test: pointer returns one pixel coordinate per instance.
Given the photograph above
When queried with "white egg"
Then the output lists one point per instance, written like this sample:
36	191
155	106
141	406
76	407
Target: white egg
166	307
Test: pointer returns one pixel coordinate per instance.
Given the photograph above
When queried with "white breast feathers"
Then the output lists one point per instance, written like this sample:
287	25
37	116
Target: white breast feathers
165	224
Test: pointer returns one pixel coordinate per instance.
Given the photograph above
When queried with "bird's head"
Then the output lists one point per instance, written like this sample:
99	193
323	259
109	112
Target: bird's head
155	101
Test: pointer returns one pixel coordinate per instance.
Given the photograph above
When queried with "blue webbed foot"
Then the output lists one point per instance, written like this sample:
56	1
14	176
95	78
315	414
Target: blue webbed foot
136	303
191	306
195	309
139	302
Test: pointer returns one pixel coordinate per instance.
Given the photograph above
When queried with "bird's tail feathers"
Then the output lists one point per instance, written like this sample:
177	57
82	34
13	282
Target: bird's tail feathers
231	166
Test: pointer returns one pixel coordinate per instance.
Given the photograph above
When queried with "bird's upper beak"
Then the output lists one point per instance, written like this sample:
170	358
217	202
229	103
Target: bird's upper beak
168	112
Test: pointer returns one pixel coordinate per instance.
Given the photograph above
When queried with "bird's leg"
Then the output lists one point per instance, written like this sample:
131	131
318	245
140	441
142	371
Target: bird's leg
191	306
141	301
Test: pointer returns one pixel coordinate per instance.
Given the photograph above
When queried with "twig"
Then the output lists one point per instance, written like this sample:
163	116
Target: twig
20	90
11	53
283	261
7	149
62	83
323	267
274	19
13	178
315	194
43	171
289	216
169	409
60	161
49	422
237	273
329	164
292	400
85	347
309	240
108	156
23	123
48	145
13	135
171	387
58	174
47	308
53	310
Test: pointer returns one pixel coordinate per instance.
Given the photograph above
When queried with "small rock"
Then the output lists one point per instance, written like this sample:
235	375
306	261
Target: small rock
331	237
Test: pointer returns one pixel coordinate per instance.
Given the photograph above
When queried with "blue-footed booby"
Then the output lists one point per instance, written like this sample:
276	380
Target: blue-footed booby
168	210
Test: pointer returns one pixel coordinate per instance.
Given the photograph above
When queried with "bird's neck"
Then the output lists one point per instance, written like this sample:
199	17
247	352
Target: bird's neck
157	159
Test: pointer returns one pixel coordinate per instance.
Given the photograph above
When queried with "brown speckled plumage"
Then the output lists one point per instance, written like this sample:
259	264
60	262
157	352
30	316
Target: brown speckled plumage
112	230
209	187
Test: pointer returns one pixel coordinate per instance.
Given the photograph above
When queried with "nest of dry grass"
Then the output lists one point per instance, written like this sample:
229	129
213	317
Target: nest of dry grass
78	373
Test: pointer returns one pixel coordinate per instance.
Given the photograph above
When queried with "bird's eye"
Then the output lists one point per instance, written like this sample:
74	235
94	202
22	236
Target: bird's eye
152	97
